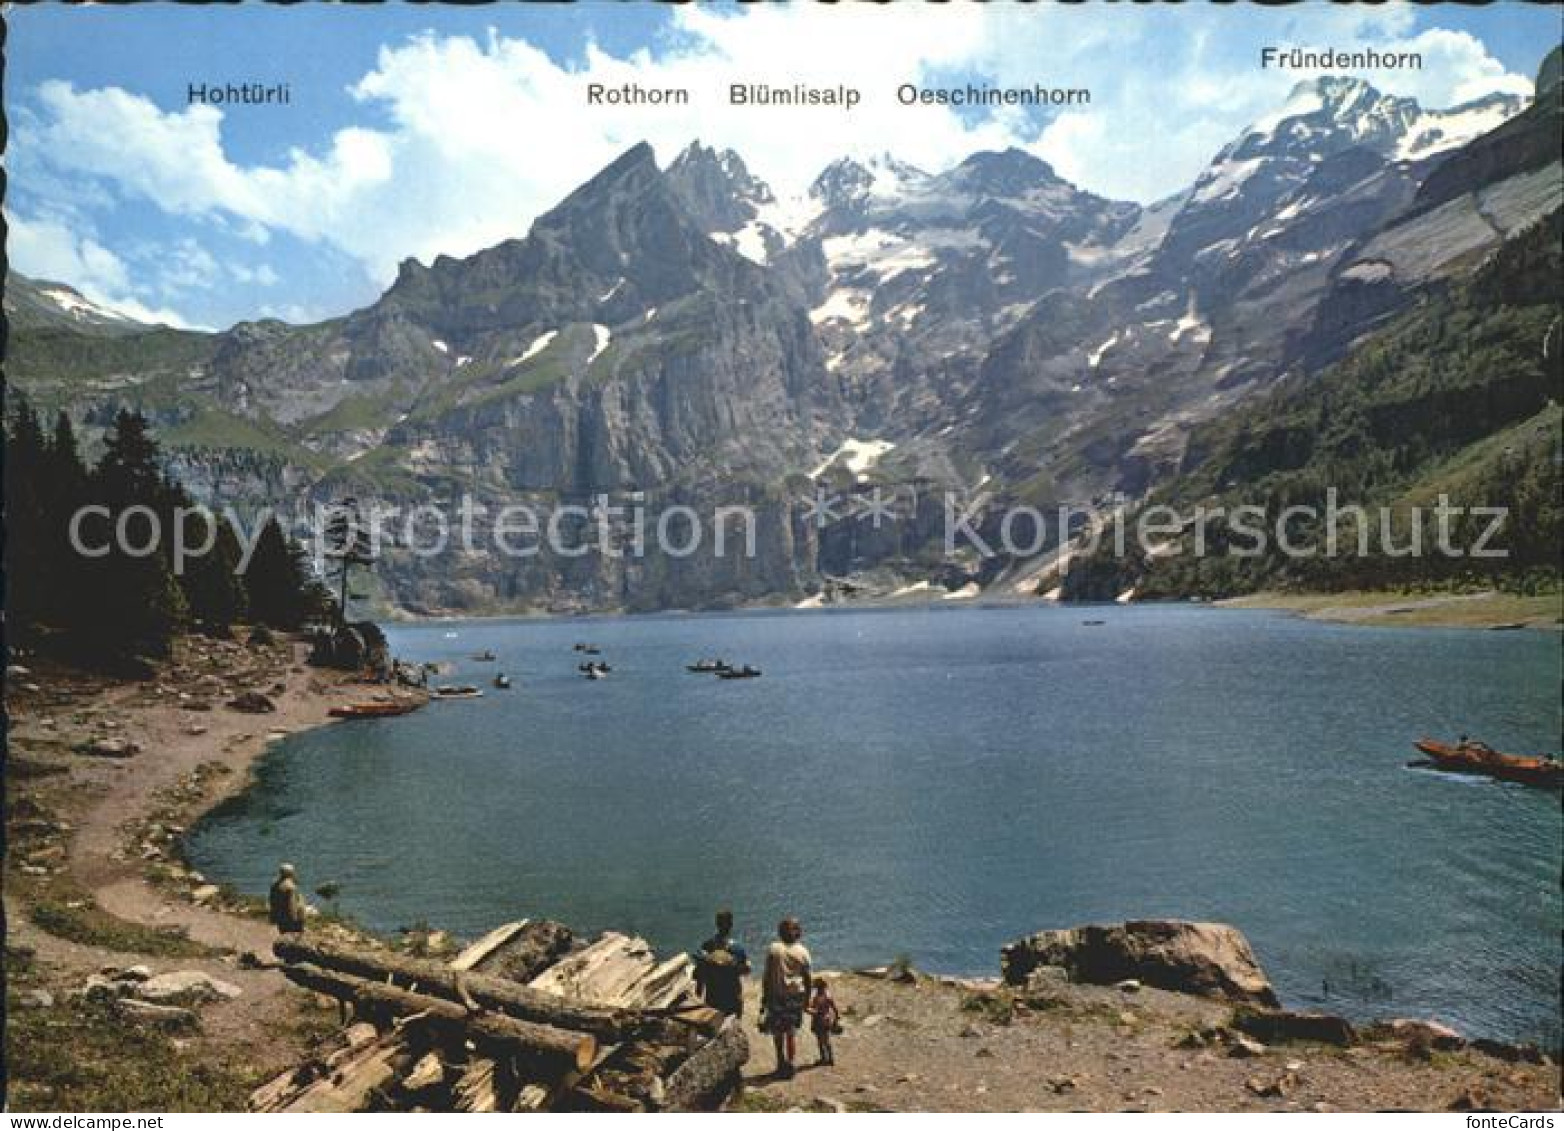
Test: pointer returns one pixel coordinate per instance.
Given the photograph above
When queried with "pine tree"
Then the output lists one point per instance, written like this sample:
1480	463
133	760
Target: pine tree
63	487
27	578
130	472
349	547
211	582
129	602
276	579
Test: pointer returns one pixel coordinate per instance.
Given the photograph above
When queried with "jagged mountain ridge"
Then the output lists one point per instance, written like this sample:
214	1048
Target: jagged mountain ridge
680	330
1222	302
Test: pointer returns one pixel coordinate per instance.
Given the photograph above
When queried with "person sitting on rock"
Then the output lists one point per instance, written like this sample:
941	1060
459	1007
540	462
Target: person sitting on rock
720	968
285	902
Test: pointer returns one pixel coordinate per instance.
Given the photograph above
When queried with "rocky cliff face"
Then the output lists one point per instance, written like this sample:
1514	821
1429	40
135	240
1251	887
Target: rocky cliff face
684	336
1226	299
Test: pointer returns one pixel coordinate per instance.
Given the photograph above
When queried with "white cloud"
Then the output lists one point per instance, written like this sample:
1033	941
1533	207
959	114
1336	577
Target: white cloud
1151	130
51	250
484	135
176	159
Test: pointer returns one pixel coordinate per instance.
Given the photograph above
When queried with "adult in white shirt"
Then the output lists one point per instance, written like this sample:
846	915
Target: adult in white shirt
785	992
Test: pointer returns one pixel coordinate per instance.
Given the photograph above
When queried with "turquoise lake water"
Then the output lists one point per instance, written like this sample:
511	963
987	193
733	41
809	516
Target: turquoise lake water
935	782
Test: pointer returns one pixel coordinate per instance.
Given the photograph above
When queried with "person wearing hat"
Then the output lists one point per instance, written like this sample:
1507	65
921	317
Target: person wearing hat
285	902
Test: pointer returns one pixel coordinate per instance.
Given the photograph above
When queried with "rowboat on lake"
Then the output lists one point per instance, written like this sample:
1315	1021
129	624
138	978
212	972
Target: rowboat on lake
375	710
1468	757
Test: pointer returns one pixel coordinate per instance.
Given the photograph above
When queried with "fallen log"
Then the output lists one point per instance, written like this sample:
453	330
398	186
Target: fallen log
709	1072
536	946
344	1084
422	976
621	972
476	953
562	1049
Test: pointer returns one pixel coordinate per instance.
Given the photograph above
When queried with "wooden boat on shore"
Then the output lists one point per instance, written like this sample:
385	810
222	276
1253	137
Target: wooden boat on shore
1479	758
375	710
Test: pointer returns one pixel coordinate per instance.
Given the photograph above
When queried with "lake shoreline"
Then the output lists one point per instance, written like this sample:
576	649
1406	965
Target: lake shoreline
96	879
1384	608
112	811
1485	609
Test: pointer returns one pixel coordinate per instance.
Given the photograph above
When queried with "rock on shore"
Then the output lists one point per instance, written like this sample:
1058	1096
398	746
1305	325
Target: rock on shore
1209	959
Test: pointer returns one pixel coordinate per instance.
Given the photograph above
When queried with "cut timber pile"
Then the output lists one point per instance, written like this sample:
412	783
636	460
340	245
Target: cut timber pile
525	1019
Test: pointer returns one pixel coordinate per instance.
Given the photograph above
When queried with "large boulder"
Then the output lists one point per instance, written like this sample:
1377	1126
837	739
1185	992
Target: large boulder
354	647
185	986
252	703
1209	959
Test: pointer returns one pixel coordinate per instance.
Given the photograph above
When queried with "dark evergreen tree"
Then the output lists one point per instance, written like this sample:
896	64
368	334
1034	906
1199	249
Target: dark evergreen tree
129	602
27	577
277	580
213	588
62	484
349	547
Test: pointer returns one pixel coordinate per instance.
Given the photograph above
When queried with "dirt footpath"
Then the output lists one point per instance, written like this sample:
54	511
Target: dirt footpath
941	1046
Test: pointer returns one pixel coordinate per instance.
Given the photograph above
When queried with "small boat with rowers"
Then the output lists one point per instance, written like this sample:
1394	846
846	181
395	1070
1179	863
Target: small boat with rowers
595	670
709	667
458	691
484	657
746	672
502	682
377	710
1469	756
588	649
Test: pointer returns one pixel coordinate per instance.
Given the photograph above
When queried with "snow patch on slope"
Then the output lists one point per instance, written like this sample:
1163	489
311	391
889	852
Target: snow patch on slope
539	344
845	303
858	456
80	308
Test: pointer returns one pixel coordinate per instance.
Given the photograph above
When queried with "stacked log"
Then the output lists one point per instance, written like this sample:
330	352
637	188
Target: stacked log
548	1044
466	987
524	1019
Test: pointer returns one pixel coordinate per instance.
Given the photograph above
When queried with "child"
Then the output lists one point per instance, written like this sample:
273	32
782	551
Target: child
824	1019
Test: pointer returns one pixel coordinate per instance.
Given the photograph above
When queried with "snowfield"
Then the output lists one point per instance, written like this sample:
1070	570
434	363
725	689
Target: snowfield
857	455
539	344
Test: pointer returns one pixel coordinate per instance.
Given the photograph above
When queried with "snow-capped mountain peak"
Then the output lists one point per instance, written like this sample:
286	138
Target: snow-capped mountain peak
849	181
1011	173
735	207
37	302
1325	115
1436	131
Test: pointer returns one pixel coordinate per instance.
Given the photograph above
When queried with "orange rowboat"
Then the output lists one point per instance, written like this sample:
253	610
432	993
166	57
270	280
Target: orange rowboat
373	710
1479	758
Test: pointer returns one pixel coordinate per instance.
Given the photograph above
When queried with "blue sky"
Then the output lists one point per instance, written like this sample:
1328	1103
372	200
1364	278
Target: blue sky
417	130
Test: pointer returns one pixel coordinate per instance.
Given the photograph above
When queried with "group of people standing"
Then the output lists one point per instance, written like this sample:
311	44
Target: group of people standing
789	989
